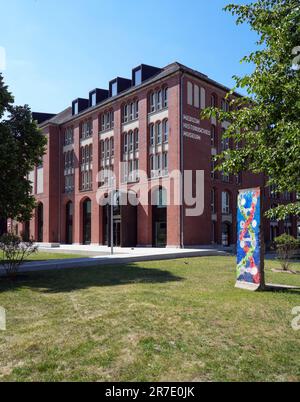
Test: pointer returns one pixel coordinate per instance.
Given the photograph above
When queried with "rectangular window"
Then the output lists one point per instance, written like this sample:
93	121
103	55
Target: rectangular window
190	93
114	89
138	77
225	177
125	143
136	169
102	149
136	110
196	96
165	163
158	162
151	163
225	203
112	119
102	122
94	99
112	147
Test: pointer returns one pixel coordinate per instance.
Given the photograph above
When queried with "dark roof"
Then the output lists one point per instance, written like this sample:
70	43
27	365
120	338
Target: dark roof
59	118
172	68
41	117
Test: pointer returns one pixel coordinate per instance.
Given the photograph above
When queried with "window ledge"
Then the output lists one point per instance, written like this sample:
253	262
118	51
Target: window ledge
158	111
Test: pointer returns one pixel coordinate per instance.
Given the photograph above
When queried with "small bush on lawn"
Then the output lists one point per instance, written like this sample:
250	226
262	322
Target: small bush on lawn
15	251
286	247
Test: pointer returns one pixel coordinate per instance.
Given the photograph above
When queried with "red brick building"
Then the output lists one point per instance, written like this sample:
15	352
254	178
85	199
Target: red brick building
150	123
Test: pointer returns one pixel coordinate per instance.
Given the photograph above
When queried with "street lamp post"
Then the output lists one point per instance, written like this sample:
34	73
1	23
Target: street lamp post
112	221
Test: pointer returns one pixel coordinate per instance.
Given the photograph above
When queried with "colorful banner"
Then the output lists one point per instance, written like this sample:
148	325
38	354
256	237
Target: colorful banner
249	264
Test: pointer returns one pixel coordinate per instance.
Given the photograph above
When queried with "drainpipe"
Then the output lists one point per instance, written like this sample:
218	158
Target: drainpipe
181	164
59	185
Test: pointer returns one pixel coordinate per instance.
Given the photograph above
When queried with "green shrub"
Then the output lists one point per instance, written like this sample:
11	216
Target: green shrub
15	251
286	247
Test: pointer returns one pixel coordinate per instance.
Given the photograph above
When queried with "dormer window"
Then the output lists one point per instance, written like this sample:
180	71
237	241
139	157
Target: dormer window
114	89
138	77
76	108
94	99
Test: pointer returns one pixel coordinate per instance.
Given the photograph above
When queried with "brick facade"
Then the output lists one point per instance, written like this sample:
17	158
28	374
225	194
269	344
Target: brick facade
189	147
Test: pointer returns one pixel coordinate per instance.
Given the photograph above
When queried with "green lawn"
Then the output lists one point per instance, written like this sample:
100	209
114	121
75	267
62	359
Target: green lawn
43	256
178	320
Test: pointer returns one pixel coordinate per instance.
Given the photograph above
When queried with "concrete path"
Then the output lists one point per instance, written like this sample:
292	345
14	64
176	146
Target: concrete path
100	256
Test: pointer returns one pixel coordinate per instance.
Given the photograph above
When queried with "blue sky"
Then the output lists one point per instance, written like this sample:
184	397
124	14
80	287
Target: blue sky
57	51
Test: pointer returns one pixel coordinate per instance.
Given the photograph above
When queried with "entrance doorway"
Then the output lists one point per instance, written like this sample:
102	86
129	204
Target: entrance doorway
69	223
87	221
159	218
226	234
40	222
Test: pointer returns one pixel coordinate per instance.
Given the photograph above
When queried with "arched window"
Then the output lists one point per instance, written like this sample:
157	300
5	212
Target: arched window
152	102
136	109
136	139
159	100
165	97
158	133
152	135
125	139
213	100
166	130
87	154
72	158
82	155
130	140
91	152
112	147
107	148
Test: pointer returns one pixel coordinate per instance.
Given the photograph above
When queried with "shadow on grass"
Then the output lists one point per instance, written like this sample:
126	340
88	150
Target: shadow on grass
82	278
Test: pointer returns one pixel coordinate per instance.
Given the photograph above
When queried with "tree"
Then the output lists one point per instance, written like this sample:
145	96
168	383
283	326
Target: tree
22	146
265	123
286	247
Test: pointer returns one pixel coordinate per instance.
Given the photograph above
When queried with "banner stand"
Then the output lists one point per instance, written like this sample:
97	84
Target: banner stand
250	240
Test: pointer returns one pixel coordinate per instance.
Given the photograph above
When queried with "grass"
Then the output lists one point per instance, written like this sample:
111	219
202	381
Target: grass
178	320
43	256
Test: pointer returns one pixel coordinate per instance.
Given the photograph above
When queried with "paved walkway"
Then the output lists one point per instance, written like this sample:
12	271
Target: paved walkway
100	255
